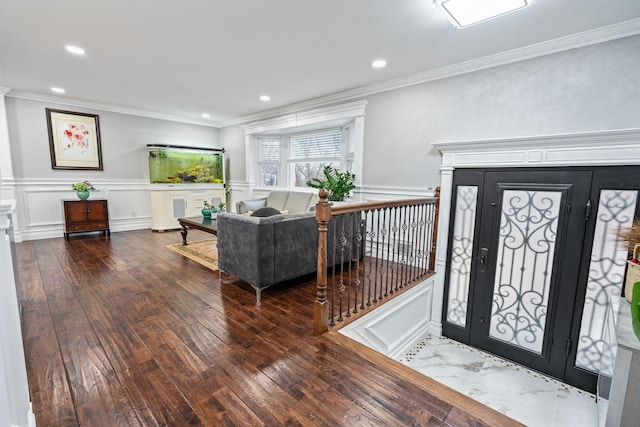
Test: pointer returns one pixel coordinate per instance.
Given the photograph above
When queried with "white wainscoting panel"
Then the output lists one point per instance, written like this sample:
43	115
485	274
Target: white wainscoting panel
40	214
397	326
128	203
236	192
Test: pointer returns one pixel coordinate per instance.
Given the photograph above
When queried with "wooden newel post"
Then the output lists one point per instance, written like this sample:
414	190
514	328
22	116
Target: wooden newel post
432	255
321	307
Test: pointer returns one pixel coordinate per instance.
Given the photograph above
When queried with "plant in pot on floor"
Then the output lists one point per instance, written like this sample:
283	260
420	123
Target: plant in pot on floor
82	189
338	184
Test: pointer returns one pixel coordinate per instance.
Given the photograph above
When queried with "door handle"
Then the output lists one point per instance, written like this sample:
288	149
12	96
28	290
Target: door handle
484	253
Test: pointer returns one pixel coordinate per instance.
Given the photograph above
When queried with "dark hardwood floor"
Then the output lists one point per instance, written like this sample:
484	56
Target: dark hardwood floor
122	331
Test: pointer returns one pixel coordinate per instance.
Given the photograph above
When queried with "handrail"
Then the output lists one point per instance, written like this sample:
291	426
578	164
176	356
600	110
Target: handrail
357	207
378	249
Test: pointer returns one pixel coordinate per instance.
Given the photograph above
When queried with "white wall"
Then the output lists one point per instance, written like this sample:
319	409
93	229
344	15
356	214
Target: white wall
124	180
586	89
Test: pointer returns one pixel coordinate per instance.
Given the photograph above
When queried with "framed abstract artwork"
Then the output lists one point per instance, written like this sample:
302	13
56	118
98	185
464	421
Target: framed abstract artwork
74	140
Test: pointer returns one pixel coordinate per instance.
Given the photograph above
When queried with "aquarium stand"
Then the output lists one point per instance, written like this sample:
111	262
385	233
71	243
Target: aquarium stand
170	203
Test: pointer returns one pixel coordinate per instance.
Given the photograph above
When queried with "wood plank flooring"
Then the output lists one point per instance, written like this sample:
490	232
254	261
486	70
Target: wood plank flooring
122	331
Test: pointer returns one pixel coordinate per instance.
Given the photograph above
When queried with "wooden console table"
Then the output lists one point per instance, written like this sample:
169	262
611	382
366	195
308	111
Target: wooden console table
207	225
85	215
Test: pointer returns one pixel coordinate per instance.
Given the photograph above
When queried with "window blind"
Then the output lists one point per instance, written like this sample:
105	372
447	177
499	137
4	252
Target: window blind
324	145
268	150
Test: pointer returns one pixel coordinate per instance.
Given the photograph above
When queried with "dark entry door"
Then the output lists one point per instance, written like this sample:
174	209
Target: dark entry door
527	263
536	265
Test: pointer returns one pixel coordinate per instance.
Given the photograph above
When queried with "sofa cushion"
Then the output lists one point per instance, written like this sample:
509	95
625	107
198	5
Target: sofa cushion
298	202
277	199
265	212
251	205
295	240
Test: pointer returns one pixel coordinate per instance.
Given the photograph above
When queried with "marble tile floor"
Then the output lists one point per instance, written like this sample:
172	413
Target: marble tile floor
524	395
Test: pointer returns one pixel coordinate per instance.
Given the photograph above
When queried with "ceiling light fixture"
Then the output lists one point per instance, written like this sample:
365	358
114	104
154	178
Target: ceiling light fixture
76	50
206	115
379	63
463	13
57	89
265	98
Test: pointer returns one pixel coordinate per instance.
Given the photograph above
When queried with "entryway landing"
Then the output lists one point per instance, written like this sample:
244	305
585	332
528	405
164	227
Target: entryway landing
522	394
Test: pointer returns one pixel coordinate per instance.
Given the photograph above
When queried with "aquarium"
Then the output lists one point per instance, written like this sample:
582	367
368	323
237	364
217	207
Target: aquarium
185	165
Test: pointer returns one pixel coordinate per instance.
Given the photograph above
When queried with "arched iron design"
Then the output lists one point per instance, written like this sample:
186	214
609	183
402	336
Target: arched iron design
526	247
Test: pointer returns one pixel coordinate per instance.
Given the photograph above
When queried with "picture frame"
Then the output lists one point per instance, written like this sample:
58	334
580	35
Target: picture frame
74	140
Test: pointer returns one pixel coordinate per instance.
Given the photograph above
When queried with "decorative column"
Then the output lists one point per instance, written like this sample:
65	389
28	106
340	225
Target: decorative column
7	190
15	408
446	187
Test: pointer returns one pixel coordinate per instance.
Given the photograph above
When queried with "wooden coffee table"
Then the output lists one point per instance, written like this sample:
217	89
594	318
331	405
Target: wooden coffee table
207	225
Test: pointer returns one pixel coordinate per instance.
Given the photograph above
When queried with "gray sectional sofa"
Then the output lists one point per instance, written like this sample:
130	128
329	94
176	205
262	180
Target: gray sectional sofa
266	251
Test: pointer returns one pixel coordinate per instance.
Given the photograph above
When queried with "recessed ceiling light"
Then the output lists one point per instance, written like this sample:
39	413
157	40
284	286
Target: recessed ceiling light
57	89
76	50
206	115
379	63
463	13
265	98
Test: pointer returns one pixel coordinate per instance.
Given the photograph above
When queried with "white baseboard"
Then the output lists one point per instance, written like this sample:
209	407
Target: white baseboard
31	416
55	231
435	329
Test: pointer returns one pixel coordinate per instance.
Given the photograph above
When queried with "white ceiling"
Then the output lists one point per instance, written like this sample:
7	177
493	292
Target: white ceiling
179	59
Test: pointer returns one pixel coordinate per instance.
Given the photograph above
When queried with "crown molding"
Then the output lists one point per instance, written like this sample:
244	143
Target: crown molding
600	35
53	99
586	38
318	115
579	139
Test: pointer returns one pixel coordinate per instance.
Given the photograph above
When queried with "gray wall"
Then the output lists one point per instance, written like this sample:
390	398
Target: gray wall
586	89
235	152
123	139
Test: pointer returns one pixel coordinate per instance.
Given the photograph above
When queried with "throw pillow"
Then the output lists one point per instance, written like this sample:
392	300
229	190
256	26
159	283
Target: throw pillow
252	205
264	212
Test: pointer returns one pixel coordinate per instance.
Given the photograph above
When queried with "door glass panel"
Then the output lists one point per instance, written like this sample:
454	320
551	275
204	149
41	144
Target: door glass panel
526	246
616	209
461	249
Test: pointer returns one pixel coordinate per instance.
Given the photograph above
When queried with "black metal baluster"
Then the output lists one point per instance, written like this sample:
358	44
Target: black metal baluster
425	245
396	257
377	271
341	286
414	237
421	229
359	254
403	260
364	264
383	259
389	256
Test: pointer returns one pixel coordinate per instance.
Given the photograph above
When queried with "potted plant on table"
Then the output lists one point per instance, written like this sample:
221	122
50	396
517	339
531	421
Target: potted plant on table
338	184
82	189
207	209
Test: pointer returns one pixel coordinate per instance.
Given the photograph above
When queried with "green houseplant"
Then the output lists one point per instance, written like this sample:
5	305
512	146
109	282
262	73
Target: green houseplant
82	189
338	184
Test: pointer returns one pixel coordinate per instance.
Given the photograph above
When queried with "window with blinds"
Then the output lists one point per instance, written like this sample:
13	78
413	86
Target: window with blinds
268	162
310	153
291	161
